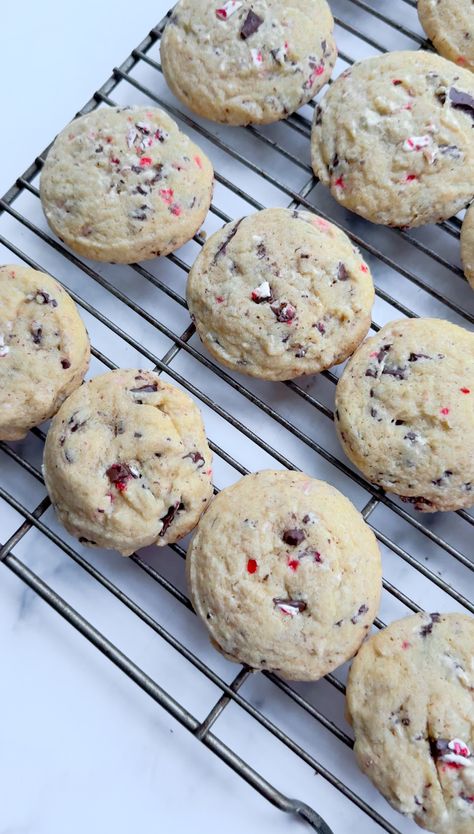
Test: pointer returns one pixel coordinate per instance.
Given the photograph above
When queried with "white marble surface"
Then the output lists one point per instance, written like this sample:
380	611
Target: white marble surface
82	748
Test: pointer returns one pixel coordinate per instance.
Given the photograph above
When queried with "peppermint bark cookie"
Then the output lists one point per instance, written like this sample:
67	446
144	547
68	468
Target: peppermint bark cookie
285	574
410	700
241	63
280	294
44	349
450	26
467	245
405	412
394	140
126	462
124	184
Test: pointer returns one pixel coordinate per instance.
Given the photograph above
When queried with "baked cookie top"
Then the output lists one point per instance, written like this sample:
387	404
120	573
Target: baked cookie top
126	462
410	698
393	138
405	412
44	349
240	62
124	184
450	25
279	294
285	574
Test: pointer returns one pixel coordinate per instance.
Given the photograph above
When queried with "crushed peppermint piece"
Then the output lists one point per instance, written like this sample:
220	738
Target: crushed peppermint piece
293	564
416	143
465	390
279	54
459	747
284	312
145	161
167	195
262	293
291	607
131	136
252	566
250	25
340	183
176	209
257	57
444	411
228	9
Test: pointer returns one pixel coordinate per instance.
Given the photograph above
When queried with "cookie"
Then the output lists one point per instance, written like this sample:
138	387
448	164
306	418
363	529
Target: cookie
405	412
450	26
126	462
285	574
44	349
394	140
467	245
410	698
242	63
280	294
123	184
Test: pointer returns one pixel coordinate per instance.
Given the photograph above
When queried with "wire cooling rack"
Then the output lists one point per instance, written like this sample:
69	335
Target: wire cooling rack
137	316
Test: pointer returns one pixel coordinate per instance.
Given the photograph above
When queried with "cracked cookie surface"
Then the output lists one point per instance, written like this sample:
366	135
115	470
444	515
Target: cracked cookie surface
285	574
242	63
410	698
450	26
127	463
279	294
393	138
405	412
44	349
124	184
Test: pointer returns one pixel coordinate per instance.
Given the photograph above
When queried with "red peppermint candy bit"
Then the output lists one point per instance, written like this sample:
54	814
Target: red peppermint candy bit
397	81
167	195
198	161
411	177
109	139
219	299
340	182
444	411
176	210
364	267
293	564
114	160
465	390
145	161
406	644
461	60
228	9
252	566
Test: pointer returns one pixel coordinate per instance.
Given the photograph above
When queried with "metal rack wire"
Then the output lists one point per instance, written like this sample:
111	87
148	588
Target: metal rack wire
421	267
